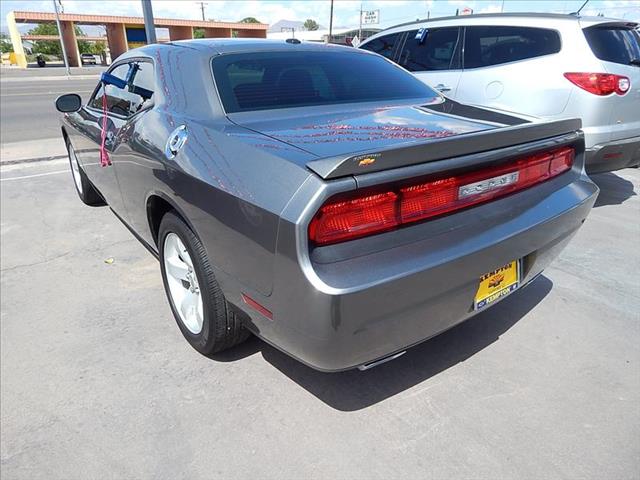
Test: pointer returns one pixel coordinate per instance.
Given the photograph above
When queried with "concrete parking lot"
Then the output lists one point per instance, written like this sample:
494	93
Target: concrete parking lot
97	381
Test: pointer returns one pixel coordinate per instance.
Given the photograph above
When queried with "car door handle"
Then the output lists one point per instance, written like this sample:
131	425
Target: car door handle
441	87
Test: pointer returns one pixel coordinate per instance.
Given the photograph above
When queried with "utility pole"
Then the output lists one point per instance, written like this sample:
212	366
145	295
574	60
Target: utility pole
149	26
331	22
502	7
360	28
64	50
202	5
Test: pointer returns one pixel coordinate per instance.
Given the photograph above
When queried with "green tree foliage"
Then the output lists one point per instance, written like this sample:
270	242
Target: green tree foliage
198	33
98	48
52	47
5	44
83	45
311	24
249	20
47	47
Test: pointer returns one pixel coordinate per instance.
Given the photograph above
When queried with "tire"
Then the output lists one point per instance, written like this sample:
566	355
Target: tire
219	326
86	191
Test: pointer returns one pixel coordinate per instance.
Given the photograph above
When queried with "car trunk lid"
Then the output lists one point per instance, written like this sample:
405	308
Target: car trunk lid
337	131
365	140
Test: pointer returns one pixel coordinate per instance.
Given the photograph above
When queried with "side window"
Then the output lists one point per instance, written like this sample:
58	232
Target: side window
438	50
485	46
133	97
384	45
144	84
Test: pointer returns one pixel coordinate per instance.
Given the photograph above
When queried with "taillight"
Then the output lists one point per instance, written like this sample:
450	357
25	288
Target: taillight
600	83
362	215
354	218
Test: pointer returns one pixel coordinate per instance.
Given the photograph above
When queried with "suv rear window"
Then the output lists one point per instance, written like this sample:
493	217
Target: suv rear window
270	80
617	44
493	45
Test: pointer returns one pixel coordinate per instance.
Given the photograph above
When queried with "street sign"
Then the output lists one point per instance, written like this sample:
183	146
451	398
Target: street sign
370	17
355	41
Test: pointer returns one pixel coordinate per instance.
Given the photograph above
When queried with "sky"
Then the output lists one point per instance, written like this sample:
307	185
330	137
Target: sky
346	12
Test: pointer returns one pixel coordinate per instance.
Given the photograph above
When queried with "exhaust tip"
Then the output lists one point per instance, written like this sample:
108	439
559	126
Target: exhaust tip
367	366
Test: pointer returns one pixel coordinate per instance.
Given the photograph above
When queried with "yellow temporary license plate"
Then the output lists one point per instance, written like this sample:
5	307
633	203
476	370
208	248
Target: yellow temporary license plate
497	284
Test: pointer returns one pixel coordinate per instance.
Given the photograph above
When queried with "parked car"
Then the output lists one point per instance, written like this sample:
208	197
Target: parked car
546	65
88	59
319	196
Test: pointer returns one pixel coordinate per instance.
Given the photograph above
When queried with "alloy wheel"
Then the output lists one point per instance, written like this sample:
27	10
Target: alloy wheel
182	280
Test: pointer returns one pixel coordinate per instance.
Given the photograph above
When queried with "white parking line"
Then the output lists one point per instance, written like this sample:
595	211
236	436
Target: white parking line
34	175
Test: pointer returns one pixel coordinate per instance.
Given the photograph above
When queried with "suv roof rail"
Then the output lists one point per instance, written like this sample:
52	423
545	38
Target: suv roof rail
486	15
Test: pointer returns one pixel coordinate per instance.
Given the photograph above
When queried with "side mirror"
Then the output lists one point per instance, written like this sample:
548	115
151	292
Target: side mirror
69	103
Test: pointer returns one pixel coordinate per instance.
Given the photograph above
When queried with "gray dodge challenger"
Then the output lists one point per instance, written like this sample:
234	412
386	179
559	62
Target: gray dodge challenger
321	197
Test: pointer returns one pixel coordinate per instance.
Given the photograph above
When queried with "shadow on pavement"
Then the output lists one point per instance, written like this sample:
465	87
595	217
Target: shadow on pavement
354	390
614	190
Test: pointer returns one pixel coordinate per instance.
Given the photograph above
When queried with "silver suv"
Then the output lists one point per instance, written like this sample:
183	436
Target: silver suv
544	65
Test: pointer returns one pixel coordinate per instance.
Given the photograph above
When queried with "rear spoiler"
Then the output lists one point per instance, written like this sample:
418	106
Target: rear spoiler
440	149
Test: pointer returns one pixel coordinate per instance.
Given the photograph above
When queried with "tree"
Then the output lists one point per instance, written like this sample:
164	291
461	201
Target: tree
98	48
311	24
198	33
5	44
249	20
52	47
48	47
83	45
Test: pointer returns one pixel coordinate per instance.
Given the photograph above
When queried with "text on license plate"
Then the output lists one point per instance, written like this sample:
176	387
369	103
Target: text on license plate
497	284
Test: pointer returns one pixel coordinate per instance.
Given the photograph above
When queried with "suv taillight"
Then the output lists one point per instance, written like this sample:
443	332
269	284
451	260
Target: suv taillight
600	83
359	215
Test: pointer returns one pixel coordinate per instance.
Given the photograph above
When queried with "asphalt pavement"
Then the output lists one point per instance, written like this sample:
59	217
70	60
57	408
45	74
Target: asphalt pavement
53	69
97	381
28	112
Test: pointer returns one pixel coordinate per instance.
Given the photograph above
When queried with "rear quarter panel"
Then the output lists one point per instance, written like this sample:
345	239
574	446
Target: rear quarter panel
229	192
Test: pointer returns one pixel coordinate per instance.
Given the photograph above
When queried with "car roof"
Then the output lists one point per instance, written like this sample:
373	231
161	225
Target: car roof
526	16
209	46
238	45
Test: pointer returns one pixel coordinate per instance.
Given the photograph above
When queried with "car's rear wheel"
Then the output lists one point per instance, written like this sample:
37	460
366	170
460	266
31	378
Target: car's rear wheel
86	191
203	315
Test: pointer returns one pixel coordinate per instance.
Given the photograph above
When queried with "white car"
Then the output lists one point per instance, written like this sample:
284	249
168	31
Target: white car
88	59
545	65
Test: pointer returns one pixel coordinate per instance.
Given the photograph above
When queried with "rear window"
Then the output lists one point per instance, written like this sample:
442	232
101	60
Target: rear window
384	45
617	44
486	46
270	80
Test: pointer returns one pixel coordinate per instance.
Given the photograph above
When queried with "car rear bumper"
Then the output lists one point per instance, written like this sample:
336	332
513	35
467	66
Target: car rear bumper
341	310
614	155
